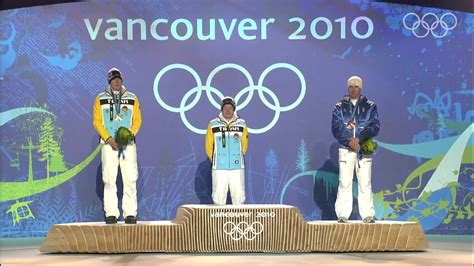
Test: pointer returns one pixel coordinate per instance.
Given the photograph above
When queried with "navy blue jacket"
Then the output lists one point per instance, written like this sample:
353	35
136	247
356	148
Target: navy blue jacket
365	116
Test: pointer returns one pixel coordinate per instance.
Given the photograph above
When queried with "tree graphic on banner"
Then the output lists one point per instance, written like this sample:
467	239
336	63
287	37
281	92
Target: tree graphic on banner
271	167
50	149
302	158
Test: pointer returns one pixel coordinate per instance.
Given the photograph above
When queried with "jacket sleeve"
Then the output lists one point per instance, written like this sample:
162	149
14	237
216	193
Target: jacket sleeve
338	128
136	118
373	126
98	120
245	140
209	142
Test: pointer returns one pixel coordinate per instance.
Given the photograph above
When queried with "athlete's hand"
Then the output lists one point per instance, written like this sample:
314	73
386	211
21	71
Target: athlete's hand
112	143
354	144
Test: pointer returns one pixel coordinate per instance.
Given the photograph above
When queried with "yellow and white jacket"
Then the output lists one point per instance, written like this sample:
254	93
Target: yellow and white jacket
107	119
226	143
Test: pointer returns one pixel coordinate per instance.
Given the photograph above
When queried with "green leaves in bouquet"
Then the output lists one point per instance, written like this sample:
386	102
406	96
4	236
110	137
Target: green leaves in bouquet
123	136
368	147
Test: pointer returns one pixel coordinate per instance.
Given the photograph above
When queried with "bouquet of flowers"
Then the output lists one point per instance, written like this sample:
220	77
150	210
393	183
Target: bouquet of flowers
368	147
123	136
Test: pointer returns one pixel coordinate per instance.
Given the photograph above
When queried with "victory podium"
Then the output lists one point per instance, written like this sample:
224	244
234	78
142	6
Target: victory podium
235	228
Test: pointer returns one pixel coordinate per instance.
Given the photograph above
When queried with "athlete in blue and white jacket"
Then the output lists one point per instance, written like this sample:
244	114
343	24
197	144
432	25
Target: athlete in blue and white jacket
354	119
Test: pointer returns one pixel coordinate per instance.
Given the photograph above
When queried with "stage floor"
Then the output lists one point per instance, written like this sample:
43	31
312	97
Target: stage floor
444	250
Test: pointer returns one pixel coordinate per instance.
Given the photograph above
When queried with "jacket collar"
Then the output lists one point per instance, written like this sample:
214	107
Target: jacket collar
123	91
347	99
233	120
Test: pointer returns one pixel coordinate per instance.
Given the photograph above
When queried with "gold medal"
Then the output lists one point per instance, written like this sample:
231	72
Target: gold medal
351	125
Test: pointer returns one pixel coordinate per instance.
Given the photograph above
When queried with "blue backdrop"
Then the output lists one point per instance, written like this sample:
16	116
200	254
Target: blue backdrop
286	62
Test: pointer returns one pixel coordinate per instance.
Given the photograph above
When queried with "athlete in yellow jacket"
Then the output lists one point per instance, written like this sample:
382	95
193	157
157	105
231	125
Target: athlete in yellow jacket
226	146
115	108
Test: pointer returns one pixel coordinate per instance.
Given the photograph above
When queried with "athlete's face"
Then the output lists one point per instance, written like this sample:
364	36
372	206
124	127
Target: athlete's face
228	111
116	84
354	92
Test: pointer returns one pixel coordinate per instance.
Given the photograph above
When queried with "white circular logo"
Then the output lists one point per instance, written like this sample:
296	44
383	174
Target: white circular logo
249	91
243	230
430	23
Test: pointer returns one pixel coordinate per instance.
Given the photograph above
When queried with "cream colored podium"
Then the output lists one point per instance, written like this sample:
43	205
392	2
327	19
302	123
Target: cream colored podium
244	228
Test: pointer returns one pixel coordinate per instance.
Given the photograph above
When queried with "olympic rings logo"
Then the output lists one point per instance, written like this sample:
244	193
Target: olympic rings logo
243	230
210	90
421	28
